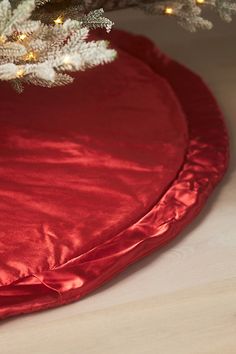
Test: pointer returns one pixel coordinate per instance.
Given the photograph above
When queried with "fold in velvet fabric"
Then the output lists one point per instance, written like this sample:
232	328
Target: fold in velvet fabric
98	174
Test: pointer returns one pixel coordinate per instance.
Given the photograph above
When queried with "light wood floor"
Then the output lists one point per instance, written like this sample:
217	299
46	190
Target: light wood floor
181	300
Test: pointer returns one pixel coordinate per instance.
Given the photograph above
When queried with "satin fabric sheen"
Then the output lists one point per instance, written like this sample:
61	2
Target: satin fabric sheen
98	174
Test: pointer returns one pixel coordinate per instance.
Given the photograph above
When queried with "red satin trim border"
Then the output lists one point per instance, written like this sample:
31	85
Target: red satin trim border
205	164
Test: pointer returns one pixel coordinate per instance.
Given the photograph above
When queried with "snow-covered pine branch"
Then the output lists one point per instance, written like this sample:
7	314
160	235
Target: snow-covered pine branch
40	54
187	12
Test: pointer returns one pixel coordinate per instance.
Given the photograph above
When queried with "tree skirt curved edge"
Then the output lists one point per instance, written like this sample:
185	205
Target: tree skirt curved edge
205	164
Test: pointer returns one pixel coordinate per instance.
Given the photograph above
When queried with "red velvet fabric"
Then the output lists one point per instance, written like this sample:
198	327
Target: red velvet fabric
98	174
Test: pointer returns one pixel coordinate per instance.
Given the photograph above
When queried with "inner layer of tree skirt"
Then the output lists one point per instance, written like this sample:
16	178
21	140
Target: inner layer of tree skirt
99	174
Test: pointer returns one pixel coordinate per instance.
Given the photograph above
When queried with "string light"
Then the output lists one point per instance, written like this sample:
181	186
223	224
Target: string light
21	37
31	56
200	1
20	73
2	40
58	21
169	11
67	59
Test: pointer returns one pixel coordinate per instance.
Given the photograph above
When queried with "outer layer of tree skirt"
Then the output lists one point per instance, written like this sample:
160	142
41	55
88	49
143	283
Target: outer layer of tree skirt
96	175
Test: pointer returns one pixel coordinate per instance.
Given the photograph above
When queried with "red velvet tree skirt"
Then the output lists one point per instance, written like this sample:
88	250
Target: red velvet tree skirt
96	175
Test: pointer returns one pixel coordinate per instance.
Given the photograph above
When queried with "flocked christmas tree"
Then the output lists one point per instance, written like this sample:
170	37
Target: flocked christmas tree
42	40
187	12
41	54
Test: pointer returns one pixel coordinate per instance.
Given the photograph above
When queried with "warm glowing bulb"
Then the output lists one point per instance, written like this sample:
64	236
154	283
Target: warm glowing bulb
2	39
20	73
58	21
200	1
67	59
169	11
30	56
22	36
